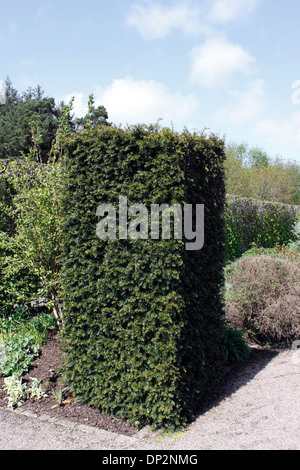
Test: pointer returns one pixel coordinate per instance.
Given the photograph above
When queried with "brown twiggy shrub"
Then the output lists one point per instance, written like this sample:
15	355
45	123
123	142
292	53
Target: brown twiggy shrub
265	293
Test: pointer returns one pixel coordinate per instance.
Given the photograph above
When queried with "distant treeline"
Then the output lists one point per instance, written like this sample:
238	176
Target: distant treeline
29	124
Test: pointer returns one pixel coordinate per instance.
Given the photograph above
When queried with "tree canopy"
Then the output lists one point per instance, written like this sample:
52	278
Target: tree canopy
30	121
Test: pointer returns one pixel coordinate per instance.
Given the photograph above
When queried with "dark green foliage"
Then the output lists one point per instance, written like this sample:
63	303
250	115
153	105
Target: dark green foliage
237	348
251	222
95	116
21	117
143	319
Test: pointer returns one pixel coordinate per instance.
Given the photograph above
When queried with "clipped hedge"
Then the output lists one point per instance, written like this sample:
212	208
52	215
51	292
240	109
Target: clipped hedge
250	221
143	319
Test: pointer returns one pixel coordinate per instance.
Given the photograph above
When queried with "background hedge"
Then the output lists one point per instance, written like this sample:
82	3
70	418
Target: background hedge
143	320
250	221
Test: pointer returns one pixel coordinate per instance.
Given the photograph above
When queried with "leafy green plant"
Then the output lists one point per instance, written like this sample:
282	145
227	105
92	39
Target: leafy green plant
35	246
30	235
58	397
22	337
35	391
16	390
20	352
236	346
21	321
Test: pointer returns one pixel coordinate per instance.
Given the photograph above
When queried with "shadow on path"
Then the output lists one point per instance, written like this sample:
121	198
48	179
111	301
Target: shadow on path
239	375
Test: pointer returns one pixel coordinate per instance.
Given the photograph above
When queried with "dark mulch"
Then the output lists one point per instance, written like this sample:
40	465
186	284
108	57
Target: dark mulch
46	368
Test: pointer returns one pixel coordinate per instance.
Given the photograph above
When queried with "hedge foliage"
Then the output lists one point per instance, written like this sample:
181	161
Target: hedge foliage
252	222
143	320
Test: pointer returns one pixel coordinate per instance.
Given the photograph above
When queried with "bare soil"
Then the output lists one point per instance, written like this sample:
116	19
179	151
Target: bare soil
46	368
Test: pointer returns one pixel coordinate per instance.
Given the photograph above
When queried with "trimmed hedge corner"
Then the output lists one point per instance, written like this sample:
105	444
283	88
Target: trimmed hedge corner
143	319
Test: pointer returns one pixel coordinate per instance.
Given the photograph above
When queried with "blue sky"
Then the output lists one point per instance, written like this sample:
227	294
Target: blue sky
231	66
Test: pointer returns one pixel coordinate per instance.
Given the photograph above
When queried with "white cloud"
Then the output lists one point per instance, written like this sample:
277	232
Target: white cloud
130	101
223	11
248	104
284	132
155	21
216	61
80	107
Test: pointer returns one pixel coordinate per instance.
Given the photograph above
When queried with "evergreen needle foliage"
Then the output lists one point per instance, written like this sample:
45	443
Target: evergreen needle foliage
143	320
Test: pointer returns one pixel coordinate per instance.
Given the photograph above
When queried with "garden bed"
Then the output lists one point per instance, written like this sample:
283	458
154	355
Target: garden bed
46	369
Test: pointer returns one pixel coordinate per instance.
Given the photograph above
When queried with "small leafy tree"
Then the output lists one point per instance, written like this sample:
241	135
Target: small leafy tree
36	243
64	129
31	237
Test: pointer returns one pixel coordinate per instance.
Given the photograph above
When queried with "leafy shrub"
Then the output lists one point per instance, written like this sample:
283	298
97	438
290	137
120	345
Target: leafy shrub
143	321
30	262
30	236
252	222
264	290
18	284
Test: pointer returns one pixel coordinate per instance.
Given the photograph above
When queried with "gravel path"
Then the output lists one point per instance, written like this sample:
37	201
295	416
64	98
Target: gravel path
262	412
259	410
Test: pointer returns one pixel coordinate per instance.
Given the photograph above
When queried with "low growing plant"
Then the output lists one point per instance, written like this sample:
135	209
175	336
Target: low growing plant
20	353
22	339
58	397
236	346
36	392
16	391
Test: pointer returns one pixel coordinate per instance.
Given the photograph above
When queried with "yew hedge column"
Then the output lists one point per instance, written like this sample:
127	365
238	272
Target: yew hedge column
143	318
